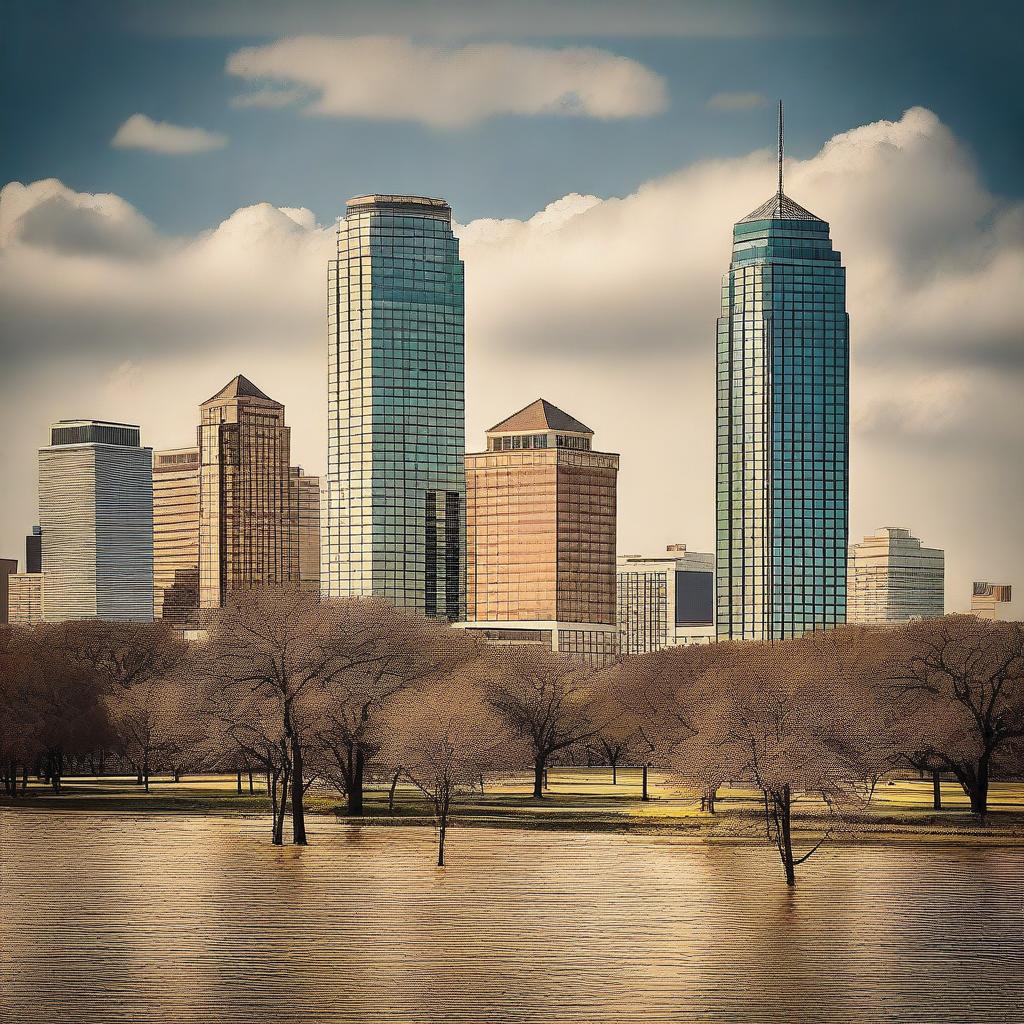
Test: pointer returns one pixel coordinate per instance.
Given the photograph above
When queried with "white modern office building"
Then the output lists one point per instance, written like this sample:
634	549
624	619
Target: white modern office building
665	600
892	578
96	515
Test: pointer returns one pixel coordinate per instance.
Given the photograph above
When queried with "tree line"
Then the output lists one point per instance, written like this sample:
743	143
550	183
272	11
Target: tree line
302	692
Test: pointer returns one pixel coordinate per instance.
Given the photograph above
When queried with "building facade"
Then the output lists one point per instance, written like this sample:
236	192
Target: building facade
176	537
8	567
395	487
782	428
34	550
991	601
25	598
665	600
245	505
892	579
305	530
541	518
96	517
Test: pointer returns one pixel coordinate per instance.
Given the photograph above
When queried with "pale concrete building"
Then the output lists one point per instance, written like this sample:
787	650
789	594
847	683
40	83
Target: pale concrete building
892	578
25	598
541	517
665	600
176	536
96	516
992	601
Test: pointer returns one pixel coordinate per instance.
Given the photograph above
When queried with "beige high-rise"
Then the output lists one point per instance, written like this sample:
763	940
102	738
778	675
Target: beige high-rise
541	517
990	600
305	526
891	578
245	496
176	536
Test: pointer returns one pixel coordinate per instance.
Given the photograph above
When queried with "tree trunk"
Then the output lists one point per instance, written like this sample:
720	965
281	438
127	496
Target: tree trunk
643	791
251	789
539	772
298	794
24	779
936	791
354	794
282	808
272	790
442	826
710	796
785	835
979	791
615	774
391	792
145	769
238	782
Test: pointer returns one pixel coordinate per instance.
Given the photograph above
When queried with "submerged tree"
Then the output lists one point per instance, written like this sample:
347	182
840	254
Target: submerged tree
443	738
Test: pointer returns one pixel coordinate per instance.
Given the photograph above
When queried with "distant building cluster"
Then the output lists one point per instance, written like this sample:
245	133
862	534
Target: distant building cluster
516	542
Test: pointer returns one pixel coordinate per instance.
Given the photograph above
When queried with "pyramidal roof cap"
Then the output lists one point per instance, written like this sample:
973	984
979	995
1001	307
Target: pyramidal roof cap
239	387
541	415
780	207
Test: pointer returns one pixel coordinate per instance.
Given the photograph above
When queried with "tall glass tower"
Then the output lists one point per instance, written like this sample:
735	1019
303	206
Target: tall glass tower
782	455
395	496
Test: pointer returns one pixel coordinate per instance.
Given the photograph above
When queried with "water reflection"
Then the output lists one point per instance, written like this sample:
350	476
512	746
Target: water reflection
197	919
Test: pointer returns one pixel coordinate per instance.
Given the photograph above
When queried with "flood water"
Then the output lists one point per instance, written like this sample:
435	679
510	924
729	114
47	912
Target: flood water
169	918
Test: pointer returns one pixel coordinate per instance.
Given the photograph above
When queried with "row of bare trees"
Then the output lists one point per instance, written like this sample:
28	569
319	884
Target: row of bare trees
304	692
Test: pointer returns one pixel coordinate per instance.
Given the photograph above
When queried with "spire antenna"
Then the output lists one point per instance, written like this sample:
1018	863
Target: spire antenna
781	150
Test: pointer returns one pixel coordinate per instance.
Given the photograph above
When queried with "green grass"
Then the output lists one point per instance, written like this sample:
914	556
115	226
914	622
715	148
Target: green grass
581	800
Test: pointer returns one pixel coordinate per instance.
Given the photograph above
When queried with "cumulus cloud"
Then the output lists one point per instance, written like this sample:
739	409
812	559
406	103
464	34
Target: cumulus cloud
605	306
142	132
733	101
392	78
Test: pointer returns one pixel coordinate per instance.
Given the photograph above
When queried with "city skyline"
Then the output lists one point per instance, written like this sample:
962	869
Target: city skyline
599	292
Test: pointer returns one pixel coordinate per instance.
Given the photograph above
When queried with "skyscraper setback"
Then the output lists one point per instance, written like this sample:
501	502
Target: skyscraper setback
782	447
395	487
176	536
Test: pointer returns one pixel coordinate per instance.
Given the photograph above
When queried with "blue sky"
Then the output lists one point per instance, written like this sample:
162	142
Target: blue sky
71	73
594	178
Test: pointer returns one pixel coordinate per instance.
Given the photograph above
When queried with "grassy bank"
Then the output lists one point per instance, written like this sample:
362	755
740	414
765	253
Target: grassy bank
583	800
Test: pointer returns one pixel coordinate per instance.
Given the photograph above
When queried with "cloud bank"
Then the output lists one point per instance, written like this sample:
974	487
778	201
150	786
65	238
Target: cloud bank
395	79
605	306
142	132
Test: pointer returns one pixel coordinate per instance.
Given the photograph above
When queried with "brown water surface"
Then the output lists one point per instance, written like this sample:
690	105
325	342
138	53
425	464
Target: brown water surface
179	919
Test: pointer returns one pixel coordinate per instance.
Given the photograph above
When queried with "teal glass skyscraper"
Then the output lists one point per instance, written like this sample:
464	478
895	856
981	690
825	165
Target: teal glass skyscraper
782	457
394	523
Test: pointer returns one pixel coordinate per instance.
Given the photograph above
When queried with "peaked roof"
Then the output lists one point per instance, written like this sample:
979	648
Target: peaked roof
541	415
779	207
239	387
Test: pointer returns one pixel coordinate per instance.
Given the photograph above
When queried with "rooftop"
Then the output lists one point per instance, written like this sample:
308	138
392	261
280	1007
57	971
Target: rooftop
540	415
421	206
779	207
239	387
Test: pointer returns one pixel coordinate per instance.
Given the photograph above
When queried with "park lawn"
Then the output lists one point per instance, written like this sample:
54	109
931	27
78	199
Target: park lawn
584	800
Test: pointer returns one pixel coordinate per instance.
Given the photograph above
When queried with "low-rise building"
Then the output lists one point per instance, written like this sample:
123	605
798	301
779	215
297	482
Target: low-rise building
665	600
892	578
25	598
991	601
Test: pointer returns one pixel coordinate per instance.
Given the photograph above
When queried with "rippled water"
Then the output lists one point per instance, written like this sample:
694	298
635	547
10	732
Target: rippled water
198	919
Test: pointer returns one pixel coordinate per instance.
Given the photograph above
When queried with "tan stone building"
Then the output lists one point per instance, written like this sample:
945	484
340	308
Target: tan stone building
541	519
305	527
176	536
25	598
245	494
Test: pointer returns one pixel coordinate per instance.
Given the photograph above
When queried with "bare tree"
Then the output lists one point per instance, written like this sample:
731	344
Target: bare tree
959	687
547	700
444	738
380	651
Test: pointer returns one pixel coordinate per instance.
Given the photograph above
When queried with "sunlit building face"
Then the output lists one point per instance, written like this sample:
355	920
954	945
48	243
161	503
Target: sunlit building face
782	428
395	521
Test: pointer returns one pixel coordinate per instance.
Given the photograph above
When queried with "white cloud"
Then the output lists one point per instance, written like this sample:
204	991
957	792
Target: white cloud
142	132
606	307
392	78
732	101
